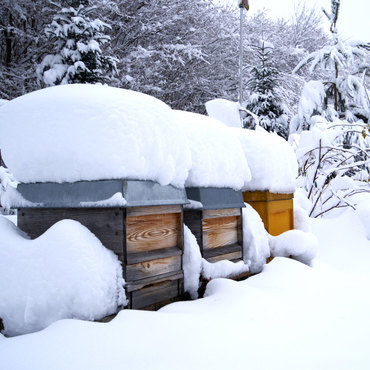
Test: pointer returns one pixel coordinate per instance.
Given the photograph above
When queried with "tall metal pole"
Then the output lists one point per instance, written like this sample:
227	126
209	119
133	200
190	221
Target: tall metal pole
241	7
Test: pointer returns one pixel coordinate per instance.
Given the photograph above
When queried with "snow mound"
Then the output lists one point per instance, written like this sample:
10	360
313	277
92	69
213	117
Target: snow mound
223	269
65	273
271	160
192	263
225	111
255	239
77	132
298	244
217	156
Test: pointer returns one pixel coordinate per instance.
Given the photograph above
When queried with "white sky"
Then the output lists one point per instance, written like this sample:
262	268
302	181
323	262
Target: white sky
353	21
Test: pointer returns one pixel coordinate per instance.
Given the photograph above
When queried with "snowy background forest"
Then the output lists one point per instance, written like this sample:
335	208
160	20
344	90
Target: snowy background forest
184	53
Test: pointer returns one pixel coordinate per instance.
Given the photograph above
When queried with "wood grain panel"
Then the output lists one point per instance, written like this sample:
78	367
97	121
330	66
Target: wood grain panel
227	212
106	223
151	232
153	210
154	294
147	269
220	231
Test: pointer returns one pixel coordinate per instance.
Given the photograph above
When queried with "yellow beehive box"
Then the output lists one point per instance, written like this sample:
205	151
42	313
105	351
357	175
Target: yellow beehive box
276	210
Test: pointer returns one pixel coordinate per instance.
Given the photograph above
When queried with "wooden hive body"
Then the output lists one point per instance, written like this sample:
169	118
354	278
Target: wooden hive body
217	226
148	239
276	210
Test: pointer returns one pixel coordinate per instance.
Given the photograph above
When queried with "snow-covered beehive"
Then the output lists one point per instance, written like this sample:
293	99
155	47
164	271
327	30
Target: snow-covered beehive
274	170
219	170
111	159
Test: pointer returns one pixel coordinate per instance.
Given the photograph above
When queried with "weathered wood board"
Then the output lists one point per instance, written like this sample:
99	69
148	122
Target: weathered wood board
154	294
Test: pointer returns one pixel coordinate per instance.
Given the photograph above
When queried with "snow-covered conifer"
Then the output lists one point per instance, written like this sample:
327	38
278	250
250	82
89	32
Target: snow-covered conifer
264	98
78	57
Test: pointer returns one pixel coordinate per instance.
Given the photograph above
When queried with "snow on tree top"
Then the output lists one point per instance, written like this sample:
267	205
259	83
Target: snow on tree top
77	132
217	156
271	160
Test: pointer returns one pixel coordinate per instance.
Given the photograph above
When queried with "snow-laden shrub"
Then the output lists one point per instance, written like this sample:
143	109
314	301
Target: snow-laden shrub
330	172
7	182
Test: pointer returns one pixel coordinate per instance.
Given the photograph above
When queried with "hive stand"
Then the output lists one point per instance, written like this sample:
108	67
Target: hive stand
146	233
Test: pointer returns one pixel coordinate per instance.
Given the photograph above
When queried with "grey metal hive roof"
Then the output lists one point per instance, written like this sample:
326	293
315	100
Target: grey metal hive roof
74	195
216	198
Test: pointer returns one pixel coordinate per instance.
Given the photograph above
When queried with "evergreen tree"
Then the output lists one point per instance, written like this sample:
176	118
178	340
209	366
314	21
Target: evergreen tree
78	56
264	100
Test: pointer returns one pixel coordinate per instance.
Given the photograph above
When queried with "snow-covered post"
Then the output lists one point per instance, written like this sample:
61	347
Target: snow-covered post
242	4
333	17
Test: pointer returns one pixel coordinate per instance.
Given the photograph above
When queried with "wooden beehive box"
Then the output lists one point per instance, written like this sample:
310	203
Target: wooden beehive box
145	231
276	210
216	222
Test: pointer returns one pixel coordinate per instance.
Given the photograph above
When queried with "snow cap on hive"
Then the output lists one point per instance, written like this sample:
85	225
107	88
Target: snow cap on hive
225	111
91	132
216	154
271	160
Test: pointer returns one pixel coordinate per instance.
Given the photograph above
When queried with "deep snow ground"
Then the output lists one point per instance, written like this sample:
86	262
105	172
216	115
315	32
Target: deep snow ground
290	316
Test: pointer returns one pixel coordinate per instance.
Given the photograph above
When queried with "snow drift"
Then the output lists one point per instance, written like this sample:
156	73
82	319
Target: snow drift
65	273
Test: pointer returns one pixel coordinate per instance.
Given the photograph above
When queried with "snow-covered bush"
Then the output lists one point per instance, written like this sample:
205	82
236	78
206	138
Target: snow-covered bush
65	273
78	57
334	154
330	172
6	180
